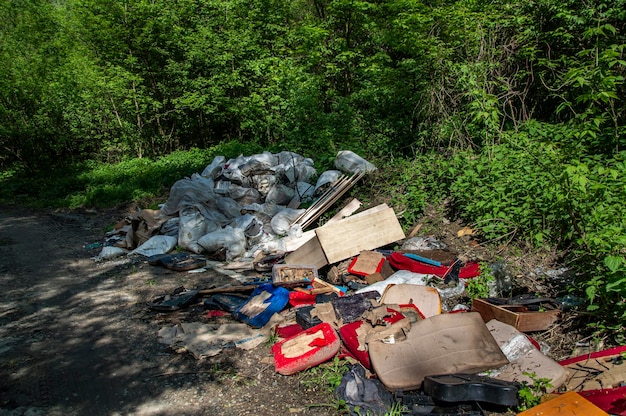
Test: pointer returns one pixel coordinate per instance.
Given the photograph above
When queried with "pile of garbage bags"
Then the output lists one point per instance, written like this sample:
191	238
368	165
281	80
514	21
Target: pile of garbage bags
233	208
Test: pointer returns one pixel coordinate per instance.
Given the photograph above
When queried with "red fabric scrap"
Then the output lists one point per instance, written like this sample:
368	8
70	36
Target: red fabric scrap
216	314
301	299
288	331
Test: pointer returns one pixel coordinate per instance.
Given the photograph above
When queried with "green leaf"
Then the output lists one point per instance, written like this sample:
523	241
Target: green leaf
613	263
615	286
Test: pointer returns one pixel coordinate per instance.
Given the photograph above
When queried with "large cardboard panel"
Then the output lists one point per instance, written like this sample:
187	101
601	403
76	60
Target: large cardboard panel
426	298
525	358
443	344
348	237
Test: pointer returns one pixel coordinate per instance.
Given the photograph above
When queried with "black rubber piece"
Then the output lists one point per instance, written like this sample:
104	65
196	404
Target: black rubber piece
455	388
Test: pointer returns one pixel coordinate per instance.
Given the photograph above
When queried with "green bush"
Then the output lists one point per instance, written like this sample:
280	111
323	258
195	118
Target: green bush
530	189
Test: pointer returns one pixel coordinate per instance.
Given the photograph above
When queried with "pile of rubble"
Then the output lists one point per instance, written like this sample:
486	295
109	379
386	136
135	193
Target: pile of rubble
356	287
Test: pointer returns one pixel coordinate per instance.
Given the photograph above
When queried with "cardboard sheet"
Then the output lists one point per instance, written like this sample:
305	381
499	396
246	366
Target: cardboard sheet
442	344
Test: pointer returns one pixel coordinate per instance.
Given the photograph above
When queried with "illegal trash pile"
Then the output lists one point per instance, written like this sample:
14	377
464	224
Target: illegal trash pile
355	287
236	207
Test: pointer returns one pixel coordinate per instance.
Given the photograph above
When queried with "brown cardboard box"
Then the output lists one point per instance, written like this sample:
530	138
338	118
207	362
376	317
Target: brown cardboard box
524	321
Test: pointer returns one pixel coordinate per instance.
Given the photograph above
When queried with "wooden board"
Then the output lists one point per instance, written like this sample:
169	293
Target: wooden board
309	253
293	243
348	237
346	211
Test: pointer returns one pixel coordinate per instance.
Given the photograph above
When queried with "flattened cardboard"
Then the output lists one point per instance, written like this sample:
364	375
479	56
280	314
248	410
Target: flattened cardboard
524	360
442	344
367	262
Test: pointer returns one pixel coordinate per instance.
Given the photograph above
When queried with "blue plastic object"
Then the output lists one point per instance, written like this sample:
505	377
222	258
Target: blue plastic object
423	259
263	303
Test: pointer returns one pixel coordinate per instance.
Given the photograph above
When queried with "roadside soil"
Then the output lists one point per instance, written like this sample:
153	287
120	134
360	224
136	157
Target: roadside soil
77	337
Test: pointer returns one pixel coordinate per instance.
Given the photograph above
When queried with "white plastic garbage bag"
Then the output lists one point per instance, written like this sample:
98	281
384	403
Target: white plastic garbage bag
110	252
171	227
192	226
305	191
280	194
211	170
159	244
286	158
228	207
259	162
232	240
262	183
250	224
302	172
244	195
188	191
326	179
281	222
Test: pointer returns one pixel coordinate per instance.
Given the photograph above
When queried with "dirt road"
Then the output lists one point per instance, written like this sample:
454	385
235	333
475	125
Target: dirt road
76	337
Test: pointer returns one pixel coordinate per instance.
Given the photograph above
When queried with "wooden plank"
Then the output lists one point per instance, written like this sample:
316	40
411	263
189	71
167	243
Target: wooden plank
319	201
310	253
346	211
294	243
342	189
352	235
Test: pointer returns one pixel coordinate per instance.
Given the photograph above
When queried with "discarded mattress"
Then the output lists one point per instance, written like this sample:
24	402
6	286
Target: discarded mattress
307	349
442	344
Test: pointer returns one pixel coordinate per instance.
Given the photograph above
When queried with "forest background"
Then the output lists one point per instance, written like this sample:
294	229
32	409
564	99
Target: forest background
512	110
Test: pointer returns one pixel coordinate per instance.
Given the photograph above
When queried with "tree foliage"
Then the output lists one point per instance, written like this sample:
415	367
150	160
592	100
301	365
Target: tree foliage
517	105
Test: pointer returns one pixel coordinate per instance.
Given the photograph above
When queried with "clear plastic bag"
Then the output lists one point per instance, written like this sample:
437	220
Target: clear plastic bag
348	161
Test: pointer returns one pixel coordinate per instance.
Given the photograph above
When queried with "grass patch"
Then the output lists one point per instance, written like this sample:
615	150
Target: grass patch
93	184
